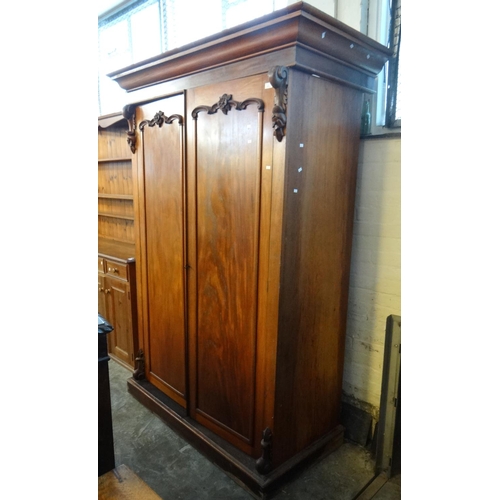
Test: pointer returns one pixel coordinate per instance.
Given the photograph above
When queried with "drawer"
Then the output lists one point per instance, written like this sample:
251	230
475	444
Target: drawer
116	269
100	264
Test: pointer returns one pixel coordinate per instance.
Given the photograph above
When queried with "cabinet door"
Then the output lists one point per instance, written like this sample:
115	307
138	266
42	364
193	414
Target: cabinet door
161	174
118	308
101	301
225	180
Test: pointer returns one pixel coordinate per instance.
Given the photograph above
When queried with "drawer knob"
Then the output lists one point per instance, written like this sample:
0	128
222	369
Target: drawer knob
114	269
107	290
101	289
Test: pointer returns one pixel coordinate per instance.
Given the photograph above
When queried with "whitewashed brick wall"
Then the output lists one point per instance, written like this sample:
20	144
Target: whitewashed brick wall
375	287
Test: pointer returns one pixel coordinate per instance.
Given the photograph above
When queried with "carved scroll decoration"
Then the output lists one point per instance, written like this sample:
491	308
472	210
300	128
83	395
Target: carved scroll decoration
160	119
278	77
139	372
226	103
129	114
263	464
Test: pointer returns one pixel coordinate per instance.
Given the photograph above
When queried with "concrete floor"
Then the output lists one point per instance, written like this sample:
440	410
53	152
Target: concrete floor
176	471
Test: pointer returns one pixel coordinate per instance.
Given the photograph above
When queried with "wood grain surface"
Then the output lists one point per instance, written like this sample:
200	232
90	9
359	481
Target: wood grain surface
163	246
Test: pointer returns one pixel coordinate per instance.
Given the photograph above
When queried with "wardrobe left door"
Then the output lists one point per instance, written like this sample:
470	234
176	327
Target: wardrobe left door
162	243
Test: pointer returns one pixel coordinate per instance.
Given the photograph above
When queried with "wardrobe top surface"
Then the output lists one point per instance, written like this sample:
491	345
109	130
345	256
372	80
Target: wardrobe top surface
295	27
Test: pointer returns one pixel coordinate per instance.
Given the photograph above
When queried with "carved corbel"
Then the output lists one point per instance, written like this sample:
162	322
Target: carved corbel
129	114
139	372
160	119
278	77
226	103
263	464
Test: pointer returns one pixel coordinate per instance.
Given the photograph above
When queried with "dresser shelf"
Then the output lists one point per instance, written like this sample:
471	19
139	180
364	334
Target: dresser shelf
116	196
108	160
115	180
116	216
116	234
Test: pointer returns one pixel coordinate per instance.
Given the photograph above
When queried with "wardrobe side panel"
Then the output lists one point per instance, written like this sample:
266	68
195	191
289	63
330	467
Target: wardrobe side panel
323	126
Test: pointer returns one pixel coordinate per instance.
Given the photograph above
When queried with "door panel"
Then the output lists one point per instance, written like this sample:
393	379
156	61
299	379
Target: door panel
101	302
228	186
118	308
163	174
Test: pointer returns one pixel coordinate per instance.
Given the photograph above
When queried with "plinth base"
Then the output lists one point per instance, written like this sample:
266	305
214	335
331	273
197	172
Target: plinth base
239	466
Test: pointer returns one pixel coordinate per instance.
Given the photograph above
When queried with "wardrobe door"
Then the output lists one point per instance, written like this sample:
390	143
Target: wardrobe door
225	155
161	192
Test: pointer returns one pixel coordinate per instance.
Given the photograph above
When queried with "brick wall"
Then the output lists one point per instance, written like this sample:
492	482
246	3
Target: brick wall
375	291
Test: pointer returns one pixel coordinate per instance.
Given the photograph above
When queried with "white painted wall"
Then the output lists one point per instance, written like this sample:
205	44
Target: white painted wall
375	287
328	6
350	12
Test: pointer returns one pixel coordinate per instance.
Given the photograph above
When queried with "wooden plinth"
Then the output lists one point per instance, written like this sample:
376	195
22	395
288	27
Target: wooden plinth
239	466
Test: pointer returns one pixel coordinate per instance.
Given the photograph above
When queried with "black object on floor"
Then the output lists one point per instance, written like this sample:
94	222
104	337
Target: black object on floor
106	454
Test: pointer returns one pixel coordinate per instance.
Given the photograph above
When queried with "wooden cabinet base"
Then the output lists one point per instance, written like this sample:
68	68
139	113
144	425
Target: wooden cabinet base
234	462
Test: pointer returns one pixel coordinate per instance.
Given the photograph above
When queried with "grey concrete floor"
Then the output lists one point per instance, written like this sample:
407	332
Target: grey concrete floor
176	471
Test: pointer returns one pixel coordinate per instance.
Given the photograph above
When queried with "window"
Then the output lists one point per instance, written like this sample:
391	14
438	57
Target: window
394	83
133	34
384	26
146	28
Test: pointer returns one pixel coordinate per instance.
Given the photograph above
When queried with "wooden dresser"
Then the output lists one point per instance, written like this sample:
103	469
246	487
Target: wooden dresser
116	244
246	148
117	298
